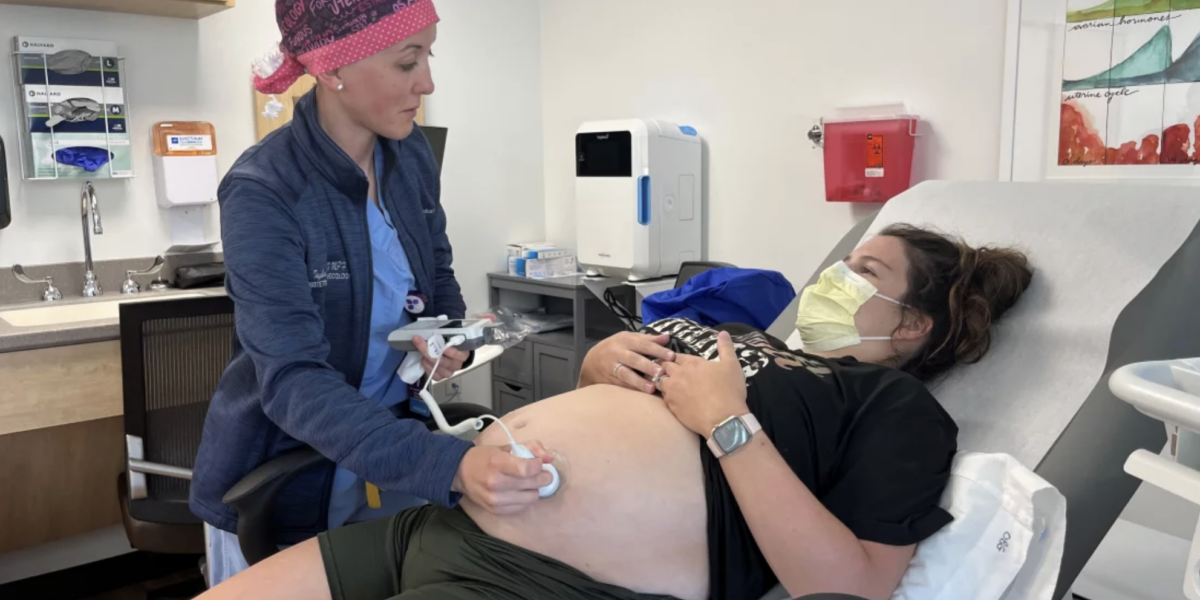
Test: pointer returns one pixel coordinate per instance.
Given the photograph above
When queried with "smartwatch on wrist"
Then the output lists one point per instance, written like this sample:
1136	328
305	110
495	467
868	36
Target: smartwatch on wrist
733	433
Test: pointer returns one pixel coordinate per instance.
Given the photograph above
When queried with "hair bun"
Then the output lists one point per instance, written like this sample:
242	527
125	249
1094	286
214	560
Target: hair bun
962	291
990	282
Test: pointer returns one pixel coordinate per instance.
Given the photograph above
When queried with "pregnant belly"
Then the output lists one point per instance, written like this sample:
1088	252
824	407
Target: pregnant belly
631	510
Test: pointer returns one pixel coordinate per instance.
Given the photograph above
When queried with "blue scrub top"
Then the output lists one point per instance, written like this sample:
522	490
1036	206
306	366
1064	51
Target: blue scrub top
393	281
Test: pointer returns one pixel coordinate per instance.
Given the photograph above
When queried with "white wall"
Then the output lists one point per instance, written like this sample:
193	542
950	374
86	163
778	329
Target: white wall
752	77
228	42
488	75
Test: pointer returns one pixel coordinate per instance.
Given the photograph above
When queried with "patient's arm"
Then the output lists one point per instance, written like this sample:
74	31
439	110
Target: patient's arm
807	546
297	573
786	518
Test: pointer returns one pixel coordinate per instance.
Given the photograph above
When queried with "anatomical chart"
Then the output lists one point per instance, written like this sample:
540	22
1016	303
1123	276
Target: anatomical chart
1130	83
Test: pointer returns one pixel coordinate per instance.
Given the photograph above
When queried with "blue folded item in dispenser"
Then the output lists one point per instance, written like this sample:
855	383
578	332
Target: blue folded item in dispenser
85	157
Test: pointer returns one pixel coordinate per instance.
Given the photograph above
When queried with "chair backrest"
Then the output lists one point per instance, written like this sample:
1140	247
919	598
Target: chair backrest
691	269
437	141
173	353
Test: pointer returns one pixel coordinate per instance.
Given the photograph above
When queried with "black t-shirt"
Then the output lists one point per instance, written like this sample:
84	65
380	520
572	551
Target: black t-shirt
870	442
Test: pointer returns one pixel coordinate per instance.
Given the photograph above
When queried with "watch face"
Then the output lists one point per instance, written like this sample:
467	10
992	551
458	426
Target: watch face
731	435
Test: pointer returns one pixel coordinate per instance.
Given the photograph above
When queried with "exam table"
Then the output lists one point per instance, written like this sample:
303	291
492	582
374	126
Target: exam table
1117	269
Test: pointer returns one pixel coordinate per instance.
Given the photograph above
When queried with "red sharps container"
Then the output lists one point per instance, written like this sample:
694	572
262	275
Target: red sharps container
868	160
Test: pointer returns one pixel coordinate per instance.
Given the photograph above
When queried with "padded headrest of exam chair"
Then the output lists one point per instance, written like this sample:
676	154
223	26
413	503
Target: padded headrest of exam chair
1116	278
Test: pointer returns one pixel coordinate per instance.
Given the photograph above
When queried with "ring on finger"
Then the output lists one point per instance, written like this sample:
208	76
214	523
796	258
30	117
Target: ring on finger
657	379
617	368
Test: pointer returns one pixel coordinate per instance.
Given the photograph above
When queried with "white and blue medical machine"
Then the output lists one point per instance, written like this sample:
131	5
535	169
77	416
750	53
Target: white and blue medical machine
638	187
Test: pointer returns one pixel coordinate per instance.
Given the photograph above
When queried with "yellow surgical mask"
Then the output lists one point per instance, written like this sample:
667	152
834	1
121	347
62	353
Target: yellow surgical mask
825	319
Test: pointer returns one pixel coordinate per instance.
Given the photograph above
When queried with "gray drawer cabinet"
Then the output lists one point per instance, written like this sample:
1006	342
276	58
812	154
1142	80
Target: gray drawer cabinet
530	372
554	369
508	396
516	364
546	364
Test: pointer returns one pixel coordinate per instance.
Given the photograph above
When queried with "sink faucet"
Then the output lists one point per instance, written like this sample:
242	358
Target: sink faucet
89	206
50	294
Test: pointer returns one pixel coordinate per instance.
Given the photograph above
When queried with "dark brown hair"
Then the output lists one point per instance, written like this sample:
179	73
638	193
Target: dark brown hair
963	290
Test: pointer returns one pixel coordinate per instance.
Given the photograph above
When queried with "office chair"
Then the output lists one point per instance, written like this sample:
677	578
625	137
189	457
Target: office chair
172	355
691	269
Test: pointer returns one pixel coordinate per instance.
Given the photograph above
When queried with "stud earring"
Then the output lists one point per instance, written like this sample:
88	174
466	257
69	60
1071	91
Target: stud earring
341	87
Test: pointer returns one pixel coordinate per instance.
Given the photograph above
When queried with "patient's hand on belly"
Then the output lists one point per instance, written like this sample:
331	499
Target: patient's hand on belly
631	509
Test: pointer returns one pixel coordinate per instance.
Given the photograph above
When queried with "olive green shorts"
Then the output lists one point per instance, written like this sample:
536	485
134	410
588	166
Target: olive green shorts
436	552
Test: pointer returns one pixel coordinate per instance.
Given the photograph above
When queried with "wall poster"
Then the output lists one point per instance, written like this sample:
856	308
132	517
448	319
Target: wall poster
1102	89
1130	83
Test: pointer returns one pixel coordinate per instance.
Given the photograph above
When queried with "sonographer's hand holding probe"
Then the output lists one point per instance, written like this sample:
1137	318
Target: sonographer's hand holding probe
500	482
523	451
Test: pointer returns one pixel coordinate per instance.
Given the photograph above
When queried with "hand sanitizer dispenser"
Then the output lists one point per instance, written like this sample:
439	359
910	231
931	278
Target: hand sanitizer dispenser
185	180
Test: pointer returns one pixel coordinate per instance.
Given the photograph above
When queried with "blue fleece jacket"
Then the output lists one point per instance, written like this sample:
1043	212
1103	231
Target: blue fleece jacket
298	268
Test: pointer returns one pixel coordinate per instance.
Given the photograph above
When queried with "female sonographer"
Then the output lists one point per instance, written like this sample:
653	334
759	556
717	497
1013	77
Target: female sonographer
334	236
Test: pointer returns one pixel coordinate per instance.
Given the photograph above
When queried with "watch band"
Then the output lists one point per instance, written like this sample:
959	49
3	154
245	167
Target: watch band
752	428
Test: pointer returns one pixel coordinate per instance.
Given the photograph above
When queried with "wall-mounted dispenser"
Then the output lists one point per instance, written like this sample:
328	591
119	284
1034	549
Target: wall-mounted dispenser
5	205
185	180
72	109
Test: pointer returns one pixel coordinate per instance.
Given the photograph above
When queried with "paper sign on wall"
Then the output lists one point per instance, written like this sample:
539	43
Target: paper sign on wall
185	143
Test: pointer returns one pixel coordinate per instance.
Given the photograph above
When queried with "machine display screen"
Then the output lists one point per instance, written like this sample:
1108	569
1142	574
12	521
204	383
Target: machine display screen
456	324
606	154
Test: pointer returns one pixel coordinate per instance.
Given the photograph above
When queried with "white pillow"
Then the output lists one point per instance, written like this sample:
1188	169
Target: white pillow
1005	542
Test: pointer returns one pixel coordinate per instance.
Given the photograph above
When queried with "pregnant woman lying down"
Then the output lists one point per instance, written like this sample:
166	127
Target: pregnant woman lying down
832	495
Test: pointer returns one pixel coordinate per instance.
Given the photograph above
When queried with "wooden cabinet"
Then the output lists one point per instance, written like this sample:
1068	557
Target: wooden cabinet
182	9
60	482
61	385
62	439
